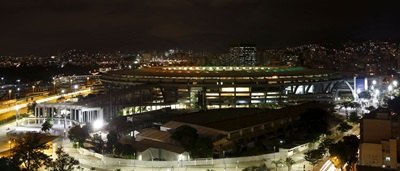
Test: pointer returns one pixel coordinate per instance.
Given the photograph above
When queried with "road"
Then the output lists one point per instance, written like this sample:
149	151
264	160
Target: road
21	106
328	166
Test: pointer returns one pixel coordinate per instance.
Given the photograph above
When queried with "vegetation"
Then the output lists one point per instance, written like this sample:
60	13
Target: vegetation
313	123
47	125
124	150
64	162
120	125
289	162
394	104
112	140
314	156
256	168
8	164
98	143
29	150
345	151
344	127
277	163
78	134
354	117
198	147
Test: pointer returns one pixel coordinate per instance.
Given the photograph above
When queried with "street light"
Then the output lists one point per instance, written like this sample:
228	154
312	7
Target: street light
9	143
54	86
97	124
390	88
33	89
9	94
395	83
76	86
16	115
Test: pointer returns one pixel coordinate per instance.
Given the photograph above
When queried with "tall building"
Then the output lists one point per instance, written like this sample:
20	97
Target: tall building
243	55
379	145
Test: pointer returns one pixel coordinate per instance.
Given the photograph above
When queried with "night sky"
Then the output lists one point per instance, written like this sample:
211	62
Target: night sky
46	27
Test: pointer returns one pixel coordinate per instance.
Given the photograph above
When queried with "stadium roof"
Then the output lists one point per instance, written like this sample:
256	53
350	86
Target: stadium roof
219	71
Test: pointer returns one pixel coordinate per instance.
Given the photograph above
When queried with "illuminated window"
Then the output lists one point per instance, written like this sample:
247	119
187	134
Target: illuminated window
242	89
227	94
228	89
257	94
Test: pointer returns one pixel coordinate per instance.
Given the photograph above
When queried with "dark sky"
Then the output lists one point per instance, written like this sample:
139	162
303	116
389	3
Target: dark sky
50	26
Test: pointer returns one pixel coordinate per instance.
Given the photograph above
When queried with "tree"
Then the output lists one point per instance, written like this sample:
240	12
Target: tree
354	117
124	150
128	151
256	168
314	156
276	163
98	143
394	104
120	125
78	134
324	145
314	122
29	150
344	151
344	127
289	162
64	162
47	125
112	140
203	148
185	135
370	108
7	164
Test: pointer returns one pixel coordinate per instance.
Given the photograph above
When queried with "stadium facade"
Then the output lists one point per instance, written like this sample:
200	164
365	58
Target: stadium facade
211	87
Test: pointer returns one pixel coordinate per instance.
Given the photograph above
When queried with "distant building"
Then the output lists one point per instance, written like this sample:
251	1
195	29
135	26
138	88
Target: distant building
379	145
243	54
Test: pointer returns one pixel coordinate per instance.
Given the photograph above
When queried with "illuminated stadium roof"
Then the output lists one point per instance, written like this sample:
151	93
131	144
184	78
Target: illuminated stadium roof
217	71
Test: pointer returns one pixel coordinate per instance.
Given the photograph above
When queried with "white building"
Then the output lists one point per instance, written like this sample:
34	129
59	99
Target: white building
82	114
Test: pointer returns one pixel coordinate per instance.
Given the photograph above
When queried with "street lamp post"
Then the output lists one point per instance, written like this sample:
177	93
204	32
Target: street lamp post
33	89
54	87
9	144
16	115
9	94
76	86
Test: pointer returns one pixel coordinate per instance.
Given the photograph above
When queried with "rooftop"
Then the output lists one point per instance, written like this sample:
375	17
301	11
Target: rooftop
234	119
219	71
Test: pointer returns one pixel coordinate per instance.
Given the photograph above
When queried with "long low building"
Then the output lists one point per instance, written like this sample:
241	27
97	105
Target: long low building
230	87
227	126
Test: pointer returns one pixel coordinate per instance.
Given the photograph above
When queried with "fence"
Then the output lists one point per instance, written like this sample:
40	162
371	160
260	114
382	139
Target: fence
101	161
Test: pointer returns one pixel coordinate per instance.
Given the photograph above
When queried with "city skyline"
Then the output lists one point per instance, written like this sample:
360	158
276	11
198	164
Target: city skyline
46	27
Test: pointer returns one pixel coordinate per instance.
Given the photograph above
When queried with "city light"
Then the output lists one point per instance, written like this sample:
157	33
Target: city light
98	124
373	82
395	83
390	88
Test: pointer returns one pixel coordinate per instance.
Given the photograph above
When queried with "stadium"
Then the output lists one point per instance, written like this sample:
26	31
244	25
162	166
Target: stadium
211	87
